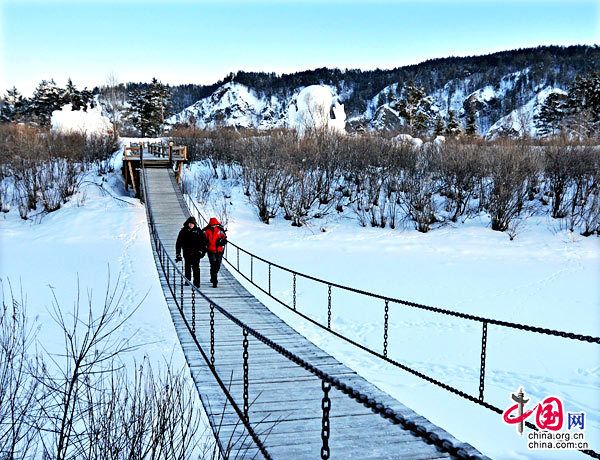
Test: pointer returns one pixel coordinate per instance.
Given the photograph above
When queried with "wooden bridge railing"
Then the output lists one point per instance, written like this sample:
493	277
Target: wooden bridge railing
162	150
151	154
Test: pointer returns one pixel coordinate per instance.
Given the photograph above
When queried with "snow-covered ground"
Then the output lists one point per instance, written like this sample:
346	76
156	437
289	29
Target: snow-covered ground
91	237
98	234
544	278
90	121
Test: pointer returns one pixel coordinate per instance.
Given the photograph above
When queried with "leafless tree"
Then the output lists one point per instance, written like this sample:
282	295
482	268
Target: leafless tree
92	348
18	391
114	98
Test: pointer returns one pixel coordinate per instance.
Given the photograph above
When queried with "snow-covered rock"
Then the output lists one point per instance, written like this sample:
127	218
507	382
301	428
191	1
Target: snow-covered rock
316	107
232	104
89	122
386	118
408	139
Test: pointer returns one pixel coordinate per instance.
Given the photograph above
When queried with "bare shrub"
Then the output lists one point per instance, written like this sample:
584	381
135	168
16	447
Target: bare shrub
583	203
298	190
510	167
202	185
82	402
322	154
98	151
220	205
559	162
220	147
91	349
419	187
460	168
196	140
47	166
60	179
370	163
153	416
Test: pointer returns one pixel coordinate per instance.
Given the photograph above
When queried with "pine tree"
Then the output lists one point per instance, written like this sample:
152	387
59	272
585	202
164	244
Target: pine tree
149	107
14	106
135	112
452	125
72	96
439	126
552	112
160	99
47	98
471	128
87	98
415	108
584	102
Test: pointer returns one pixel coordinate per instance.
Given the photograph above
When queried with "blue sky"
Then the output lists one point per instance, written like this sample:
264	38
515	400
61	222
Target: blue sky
201	41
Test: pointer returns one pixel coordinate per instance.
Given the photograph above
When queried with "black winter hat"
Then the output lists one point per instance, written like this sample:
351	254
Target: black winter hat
190	219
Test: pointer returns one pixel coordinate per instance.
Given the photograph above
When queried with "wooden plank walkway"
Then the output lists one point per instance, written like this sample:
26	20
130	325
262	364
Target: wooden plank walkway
285	400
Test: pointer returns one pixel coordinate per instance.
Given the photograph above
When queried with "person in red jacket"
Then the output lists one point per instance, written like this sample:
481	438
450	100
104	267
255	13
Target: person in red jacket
216	241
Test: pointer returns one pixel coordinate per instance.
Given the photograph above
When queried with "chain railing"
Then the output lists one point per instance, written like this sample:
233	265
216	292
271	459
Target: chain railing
175	279
387	302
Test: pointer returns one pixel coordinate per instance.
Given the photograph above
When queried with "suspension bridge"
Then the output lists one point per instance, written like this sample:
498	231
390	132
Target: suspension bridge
268	391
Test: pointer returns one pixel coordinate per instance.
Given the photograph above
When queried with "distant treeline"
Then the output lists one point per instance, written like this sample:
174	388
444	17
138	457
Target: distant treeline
556	65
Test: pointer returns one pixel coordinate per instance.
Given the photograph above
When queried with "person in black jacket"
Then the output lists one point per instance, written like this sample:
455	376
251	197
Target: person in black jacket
193	243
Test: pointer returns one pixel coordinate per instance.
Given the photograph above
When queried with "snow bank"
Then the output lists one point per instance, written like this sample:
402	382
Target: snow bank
88	122
408	139
544	277
316	107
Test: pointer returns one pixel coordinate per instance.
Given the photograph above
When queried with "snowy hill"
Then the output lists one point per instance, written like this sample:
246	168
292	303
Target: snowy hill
486	88
236	105
230	105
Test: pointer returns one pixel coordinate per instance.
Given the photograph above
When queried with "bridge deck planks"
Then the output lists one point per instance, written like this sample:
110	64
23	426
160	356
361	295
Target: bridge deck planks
285	399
